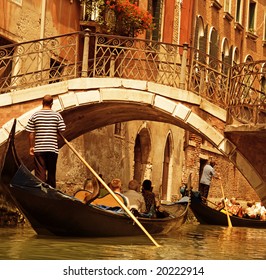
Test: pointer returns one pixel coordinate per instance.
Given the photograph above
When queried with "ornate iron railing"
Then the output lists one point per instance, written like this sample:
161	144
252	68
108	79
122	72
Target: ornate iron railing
209	78
247	93
136	59
39	62
240	89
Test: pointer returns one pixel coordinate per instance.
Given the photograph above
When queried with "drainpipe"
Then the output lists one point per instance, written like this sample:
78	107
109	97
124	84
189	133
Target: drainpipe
42	32
43	18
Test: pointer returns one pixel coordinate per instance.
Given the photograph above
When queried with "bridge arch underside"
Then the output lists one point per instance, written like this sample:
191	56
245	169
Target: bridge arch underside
86	116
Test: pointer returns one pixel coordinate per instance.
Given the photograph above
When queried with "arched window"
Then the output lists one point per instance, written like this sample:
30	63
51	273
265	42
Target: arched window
213	47
200	40
225	53
235	59
248	59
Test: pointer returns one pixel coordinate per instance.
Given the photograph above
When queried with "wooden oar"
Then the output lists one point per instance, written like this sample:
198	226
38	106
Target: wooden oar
110	191
225	206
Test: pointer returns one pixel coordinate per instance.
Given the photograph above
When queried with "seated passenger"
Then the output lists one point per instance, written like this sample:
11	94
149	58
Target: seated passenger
263	213
108	199
134	196
234	207
149	197
249	211
259	211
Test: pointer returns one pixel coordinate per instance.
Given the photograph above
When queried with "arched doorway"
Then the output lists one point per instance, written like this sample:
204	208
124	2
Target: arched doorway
142	148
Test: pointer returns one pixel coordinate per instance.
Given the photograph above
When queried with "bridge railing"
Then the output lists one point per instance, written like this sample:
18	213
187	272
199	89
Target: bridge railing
209	77
247	94
39	62
132	58
84	54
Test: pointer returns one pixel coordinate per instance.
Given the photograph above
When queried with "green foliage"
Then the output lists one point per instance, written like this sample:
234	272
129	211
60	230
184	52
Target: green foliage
120	17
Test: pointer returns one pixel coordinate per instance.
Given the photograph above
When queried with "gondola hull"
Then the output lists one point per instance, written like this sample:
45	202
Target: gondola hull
209	216
50	212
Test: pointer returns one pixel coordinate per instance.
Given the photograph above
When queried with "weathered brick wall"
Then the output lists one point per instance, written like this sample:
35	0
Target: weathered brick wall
16	110
233	182
236	34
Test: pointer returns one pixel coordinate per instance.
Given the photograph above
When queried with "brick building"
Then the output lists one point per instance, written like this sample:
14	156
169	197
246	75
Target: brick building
231	31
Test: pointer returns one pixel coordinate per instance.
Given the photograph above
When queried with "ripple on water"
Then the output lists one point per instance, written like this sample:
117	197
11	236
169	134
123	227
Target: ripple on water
191	242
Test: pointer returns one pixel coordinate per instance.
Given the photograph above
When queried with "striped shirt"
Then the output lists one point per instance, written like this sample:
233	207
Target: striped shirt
45	124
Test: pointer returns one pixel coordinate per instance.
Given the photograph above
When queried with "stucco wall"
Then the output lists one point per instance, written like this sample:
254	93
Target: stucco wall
23	22
113	156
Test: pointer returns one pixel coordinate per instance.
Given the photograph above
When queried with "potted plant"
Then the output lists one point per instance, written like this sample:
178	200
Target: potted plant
126	18
119	17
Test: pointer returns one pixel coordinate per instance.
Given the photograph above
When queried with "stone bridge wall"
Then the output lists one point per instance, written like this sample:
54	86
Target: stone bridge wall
123	100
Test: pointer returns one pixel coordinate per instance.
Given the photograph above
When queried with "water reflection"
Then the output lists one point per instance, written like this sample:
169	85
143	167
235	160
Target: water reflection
191	242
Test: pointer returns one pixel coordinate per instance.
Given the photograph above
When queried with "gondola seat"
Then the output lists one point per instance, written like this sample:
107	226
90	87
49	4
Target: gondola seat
106	200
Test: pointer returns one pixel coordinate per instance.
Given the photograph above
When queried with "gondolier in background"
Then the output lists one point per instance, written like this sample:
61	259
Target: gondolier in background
43	127
205	180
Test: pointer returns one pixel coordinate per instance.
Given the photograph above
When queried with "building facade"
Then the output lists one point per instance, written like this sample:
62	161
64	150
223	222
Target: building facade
230	31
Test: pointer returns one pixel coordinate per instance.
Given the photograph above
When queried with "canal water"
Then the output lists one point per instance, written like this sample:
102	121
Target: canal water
191	242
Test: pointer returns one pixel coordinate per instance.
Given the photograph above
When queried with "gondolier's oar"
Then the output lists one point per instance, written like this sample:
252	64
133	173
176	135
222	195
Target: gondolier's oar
110	191
225	206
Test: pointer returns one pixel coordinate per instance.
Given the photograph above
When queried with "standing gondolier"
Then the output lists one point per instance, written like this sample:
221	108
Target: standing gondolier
43	127
206	177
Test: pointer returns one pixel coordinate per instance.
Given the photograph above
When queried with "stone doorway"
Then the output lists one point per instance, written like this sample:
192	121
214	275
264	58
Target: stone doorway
142	148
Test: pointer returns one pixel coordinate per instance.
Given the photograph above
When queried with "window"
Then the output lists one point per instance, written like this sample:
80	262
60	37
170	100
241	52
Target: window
213	48
235	59
225	56
156	8
200	40
252	16
90	10
227	6
239	9
118	129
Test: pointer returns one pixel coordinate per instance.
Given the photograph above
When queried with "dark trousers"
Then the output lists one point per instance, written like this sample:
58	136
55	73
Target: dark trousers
45	167
204	190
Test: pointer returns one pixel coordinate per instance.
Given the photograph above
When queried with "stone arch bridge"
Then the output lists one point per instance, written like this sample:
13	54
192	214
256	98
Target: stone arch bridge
103	93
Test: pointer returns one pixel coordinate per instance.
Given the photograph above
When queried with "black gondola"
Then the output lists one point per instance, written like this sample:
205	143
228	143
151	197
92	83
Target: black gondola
210	216
50	212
